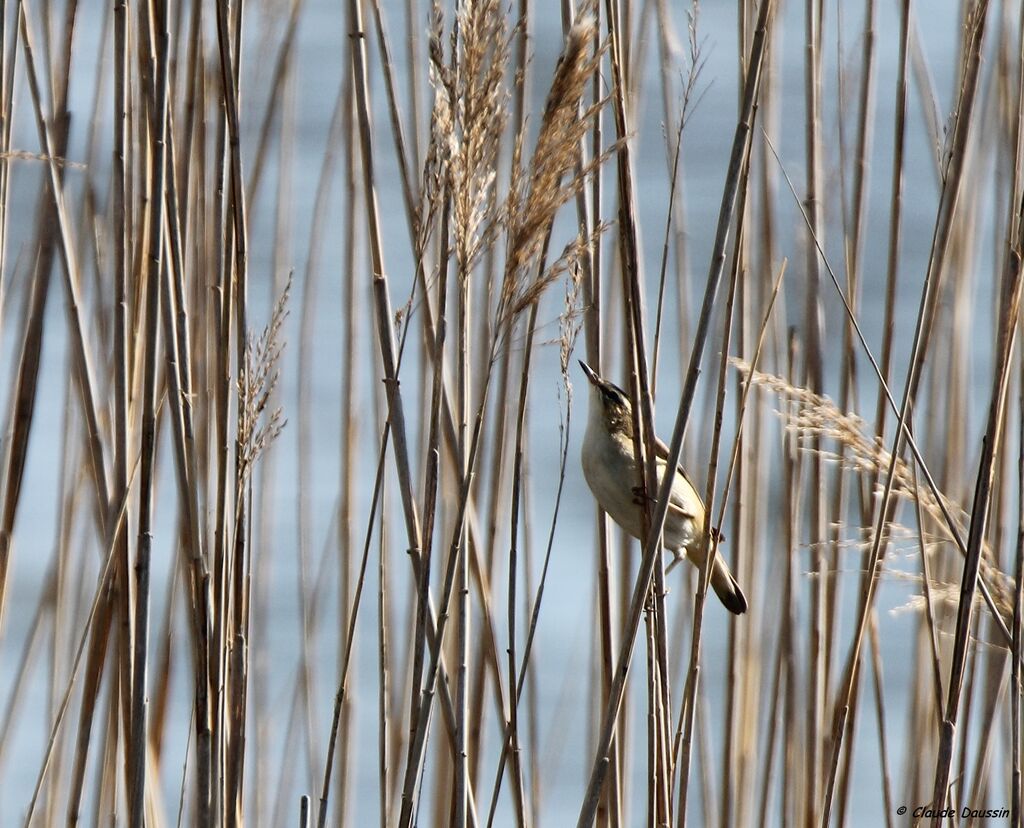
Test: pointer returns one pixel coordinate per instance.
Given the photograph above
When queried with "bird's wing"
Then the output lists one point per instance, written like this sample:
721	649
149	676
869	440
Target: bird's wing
661	451
675	508
683	500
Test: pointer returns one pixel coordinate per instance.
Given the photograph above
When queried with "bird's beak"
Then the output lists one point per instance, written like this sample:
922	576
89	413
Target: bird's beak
590	372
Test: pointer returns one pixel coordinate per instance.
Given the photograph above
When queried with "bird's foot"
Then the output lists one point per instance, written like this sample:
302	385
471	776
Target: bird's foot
640	496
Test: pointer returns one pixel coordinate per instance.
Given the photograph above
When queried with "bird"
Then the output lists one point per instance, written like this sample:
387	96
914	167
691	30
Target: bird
610	469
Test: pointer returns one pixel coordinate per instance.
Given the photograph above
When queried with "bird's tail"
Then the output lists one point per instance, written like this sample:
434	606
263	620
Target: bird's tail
726	588
722	581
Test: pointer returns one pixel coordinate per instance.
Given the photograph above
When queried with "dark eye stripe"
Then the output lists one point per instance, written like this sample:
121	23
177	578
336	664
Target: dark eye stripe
614	394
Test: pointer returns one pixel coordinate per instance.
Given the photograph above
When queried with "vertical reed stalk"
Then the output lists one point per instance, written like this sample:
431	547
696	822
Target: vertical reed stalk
741	142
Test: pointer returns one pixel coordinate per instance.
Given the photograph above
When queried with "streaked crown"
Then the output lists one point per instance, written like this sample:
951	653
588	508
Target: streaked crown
615	402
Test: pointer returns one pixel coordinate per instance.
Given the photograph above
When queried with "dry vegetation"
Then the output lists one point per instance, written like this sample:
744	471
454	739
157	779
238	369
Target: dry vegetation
229	595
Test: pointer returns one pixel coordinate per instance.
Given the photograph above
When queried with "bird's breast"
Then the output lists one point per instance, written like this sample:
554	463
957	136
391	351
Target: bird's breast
610	470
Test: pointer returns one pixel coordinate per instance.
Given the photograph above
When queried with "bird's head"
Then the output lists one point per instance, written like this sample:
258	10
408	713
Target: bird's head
610	402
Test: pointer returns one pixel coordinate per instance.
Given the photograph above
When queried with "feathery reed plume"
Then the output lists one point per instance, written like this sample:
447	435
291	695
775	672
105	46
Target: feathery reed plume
469	118
537	192
471	111
570	321
815	415
25	155
256	387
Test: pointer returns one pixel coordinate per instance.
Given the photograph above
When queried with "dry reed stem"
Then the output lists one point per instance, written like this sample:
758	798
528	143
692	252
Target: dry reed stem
650	558
105	574
642	403
153	277
7	53
382	303
1018	611
473	227
28	372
